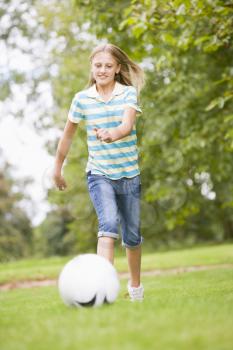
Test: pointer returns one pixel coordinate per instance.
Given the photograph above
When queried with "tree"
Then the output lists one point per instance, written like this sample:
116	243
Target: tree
16	238
186	47
185	133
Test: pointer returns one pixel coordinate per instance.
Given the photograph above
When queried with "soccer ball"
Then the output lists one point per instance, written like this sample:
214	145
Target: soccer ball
88	280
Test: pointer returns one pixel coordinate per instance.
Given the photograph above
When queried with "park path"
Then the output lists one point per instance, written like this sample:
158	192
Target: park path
122	275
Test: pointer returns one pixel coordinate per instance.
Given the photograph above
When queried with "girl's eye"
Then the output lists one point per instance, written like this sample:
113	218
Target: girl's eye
99	66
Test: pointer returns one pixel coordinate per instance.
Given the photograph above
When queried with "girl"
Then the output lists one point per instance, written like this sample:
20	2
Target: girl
109	107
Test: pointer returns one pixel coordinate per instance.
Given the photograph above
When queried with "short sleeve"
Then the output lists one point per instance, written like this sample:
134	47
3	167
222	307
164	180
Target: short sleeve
75	113
131	99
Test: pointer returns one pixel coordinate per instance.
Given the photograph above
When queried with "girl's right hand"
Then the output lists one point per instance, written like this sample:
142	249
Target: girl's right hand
59	182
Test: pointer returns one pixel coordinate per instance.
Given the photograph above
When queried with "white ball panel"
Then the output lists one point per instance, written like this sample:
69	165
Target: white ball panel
87	276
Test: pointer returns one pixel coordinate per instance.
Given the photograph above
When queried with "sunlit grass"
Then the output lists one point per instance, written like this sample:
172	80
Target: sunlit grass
190	311
50	267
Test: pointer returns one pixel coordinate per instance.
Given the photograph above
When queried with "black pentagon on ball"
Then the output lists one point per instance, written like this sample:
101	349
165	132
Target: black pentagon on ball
88	303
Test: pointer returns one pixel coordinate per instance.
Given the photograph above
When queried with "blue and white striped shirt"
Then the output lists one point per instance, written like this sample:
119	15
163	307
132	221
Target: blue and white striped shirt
116	159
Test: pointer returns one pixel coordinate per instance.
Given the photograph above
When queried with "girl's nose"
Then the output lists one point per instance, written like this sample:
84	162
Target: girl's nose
102	69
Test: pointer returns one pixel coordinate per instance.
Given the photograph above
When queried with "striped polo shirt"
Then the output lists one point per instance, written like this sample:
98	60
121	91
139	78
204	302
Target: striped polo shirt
116	159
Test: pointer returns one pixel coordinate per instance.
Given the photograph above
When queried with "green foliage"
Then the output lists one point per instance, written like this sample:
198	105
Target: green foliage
19	25
186	131
187	96
52	237
15	227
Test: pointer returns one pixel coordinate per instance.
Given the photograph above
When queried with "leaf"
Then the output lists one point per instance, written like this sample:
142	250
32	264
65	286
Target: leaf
138	30
128	22
228	118
168	38
181	10
219	101
212	104
229	134
202	39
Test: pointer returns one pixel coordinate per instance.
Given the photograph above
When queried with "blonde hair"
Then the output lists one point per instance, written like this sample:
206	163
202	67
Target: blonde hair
130	72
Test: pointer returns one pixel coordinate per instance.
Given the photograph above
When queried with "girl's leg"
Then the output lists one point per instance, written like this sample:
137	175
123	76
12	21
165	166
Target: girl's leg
105	248
129	210
103	198
134	263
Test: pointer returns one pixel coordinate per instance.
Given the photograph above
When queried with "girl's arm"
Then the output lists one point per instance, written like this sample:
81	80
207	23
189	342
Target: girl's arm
121	131
62	151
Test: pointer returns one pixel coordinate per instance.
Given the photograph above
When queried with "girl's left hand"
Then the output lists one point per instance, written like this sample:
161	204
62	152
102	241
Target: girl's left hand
103	135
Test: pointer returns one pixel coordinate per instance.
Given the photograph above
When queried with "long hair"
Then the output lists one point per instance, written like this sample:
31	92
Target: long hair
130	72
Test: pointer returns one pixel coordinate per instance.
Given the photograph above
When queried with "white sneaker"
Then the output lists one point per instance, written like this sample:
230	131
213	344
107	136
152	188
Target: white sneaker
136	293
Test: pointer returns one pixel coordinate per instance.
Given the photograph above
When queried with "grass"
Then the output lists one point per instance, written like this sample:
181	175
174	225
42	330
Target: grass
50	267
190	311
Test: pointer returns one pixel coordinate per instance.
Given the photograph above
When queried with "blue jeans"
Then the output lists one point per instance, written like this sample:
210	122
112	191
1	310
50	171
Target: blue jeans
117	202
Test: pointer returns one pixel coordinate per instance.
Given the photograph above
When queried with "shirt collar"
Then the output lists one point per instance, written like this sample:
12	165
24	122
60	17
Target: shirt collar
118	90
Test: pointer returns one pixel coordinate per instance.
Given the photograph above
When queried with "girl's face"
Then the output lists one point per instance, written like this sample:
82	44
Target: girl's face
103	68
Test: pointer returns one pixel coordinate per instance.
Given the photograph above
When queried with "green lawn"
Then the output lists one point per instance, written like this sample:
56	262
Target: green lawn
50	268
192	311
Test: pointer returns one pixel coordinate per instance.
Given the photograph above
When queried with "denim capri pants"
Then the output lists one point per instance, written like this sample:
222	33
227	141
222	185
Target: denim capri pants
117	202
